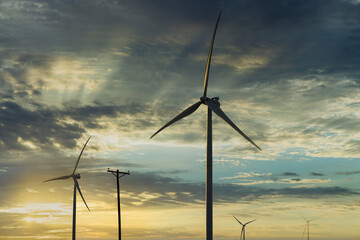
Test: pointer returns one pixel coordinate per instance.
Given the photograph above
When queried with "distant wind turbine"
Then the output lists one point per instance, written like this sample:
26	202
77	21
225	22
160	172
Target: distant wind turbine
307	228
213	105
242	234
76	186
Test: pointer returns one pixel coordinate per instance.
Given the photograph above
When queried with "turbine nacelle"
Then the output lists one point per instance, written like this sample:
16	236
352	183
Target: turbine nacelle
214	100
77	176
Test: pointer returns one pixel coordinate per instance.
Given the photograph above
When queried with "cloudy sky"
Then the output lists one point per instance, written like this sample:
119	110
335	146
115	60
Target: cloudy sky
287	73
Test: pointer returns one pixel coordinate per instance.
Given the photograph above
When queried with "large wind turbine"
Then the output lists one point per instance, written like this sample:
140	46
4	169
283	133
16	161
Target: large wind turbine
76	186
307	227
213	105
242	234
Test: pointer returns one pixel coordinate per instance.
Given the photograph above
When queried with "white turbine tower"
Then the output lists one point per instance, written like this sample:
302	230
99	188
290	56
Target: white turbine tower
76	187
213	105
242	234
307	228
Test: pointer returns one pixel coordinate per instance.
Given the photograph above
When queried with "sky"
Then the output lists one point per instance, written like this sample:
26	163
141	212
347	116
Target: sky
287	74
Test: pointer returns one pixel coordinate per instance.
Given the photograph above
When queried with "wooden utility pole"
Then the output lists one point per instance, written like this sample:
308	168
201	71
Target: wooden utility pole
118	175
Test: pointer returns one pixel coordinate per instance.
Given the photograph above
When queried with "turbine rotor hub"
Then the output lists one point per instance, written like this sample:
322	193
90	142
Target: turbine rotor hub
77	176
204	99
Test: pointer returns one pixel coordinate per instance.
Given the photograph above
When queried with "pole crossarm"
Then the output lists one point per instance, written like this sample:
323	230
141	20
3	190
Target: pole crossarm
117	173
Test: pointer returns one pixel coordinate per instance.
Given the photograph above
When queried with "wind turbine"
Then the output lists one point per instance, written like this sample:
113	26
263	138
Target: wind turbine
213	105
307	227
243	228
76	187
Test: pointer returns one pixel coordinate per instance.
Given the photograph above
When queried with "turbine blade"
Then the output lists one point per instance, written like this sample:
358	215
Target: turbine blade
207	69
78	188
183	114
238	220
242	233
250	222
77	161
59	178
216	109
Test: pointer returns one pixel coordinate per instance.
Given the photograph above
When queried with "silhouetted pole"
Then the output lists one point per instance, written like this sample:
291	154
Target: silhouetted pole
118	175
308	230
209	179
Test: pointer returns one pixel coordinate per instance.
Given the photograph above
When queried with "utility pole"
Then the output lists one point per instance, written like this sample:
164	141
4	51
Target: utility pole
118	175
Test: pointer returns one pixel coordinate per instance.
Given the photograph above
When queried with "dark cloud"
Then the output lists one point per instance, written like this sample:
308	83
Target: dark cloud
317	192
32	60
348	173
317	174
15	75
89	115
42	128
304	29
289	174
175	171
